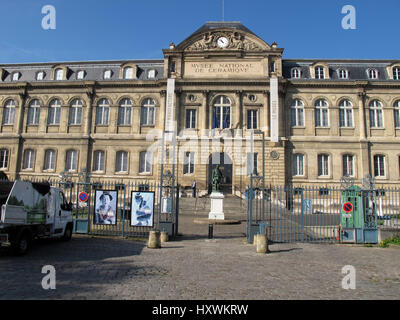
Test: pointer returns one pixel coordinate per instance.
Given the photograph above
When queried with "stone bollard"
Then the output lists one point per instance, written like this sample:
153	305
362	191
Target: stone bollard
164	236
255	239
154	240
262	246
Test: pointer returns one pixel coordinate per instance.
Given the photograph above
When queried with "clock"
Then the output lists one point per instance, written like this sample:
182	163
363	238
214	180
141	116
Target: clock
222	42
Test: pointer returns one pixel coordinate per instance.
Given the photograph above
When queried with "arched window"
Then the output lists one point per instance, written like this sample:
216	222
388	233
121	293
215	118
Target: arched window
125	112
121	162
75	112
128	73
147	112
372	74
151	74
9	112
49	159
396	73
397	114
71	161
376	114
343	74
4	154
296	73
221	113
348	165
98	160
34	112
297	113
102	112
345	114
40	75
54	112
298	164
319	72
59	74
29	157
107	74
321	113
80	74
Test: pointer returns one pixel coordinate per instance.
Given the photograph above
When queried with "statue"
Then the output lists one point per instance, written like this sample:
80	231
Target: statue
216	179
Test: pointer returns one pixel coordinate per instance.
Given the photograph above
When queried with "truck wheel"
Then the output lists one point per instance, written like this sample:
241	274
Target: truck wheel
22	244
67	233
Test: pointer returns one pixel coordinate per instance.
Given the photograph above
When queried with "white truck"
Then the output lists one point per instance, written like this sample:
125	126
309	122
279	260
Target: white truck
32	210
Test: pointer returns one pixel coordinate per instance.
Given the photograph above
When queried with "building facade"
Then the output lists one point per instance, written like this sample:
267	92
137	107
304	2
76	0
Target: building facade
220	90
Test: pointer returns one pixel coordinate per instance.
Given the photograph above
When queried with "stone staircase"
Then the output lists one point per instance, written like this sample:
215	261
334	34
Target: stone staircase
234	207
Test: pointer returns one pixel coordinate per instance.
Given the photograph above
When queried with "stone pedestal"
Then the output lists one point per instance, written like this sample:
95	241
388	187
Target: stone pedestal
217	206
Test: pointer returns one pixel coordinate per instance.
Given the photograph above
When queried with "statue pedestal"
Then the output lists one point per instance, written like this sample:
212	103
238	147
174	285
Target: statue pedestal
217	206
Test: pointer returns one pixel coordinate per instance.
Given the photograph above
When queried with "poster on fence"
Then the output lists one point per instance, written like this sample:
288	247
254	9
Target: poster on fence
142	208
106	207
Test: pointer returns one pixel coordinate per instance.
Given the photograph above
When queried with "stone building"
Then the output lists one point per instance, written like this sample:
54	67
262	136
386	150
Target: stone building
220	90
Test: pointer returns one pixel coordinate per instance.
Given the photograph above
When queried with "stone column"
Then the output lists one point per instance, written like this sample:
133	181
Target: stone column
20	117
361	115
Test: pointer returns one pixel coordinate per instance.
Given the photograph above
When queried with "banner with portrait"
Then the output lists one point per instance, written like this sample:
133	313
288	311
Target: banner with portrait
142	208
105	207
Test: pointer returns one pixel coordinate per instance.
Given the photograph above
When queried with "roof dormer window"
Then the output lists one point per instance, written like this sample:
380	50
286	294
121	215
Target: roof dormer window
40	75
107	74
319	72
80	74
396	73
296	73
343	73
128	73
151	74
15	76
372	74
59	74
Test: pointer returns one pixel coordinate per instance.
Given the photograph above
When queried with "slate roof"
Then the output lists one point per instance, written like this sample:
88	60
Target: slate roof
94	70
212	25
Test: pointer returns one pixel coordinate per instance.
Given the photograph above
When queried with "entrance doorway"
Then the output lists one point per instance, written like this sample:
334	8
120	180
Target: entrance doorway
224	162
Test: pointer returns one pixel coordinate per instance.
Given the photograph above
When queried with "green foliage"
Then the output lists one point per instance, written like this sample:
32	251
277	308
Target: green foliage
385	243
15	202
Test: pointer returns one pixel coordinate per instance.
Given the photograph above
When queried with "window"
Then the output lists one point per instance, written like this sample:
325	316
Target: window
98	161
296	73
321	113
343	74
34	112
75	112
102	112
147	114
345	114
252	116
145	164
298	165
323	165
71	160
188	163
151	74
319	72
54	112
272	67
372	73
379	165
28	158
128	73
252	163
40	75
49	160
221	113
3	159
125	112
107	74
396	73
397	114
121	163
190	118
375	114
9	112
297	113
15	76
172	66
348	165
59	74
80	74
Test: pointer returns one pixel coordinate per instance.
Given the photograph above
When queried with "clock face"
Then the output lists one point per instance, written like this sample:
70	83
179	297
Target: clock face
222	42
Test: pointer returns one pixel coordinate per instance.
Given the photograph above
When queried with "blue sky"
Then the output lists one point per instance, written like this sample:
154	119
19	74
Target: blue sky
140	29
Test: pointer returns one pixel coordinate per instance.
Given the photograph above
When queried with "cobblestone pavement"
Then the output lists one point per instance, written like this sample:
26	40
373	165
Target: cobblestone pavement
194	267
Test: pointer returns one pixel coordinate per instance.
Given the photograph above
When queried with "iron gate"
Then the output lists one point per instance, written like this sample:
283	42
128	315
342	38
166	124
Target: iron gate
82	195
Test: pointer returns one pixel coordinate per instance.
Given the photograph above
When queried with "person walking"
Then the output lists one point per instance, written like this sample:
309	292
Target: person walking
194	189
